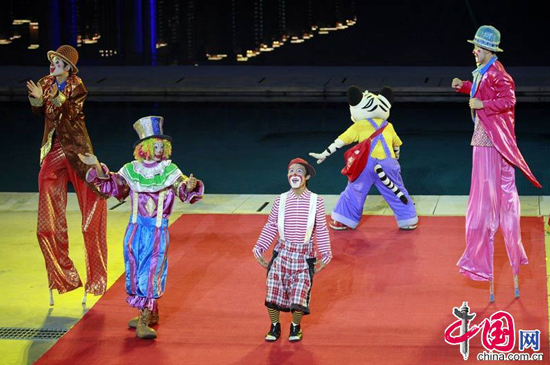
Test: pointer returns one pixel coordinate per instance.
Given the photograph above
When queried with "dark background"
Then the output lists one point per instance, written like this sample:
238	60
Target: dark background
244	148
387	33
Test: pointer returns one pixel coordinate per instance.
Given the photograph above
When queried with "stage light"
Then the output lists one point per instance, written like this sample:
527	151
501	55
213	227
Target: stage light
215	57
20	21
265	48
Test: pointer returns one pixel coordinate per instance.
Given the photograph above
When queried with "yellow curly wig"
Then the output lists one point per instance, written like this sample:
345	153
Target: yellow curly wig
145	150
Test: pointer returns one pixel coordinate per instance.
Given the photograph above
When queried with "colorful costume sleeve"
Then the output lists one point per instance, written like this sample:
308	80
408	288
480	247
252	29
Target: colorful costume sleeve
112	184
269	232
505	98
350	135
466	87
190	197
321	232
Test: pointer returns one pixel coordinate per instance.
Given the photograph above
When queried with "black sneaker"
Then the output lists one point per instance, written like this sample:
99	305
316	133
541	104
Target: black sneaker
295	333
274	332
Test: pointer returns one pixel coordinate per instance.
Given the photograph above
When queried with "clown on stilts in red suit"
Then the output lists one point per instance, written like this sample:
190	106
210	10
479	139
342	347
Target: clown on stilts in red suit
59	97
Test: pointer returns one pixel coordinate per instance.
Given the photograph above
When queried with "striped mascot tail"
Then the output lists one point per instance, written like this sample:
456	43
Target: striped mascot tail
389	184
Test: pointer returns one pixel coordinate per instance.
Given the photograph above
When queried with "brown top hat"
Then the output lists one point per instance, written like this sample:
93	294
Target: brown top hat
68	53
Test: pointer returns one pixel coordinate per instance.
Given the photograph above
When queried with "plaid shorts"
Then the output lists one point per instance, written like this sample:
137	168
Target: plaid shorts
290	277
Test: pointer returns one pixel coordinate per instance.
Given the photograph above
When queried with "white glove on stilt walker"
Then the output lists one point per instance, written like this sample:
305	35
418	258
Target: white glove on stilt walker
334	146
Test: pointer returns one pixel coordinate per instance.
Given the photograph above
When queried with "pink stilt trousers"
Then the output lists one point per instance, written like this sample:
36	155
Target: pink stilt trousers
493	202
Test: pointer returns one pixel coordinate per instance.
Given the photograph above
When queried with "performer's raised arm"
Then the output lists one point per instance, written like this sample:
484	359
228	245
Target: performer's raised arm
333	147
189	189
36	97
107	182
460	86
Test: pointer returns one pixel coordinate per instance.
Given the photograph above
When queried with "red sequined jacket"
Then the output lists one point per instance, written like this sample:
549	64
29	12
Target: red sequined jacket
64	116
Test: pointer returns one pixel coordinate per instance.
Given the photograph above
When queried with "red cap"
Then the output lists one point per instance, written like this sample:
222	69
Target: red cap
310	170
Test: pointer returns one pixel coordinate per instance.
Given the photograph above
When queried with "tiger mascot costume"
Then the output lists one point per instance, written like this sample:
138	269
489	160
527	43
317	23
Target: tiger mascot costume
369	113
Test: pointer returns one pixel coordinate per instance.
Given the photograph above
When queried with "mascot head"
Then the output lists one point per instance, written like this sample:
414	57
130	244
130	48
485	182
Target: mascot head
365	105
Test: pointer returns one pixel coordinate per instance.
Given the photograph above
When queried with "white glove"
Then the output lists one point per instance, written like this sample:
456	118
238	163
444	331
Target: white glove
334	146
319	156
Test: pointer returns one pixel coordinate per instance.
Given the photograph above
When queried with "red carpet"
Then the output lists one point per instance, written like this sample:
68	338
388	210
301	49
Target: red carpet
386	298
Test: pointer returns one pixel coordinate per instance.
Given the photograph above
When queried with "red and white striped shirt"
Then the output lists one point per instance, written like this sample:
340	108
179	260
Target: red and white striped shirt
296	214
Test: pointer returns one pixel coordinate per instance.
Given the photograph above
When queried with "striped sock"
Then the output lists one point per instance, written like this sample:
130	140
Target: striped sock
273	315
297	317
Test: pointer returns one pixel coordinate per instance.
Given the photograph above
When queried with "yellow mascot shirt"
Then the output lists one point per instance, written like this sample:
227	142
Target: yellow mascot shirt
362	130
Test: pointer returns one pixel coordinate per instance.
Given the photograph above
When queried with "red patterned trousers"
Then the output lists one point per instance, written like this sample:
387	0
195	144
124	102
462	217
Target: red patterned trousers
53	179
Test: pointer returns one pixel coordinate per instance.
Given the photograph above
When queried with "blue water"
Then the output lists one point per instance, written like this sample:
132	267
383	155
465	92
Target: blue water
245	148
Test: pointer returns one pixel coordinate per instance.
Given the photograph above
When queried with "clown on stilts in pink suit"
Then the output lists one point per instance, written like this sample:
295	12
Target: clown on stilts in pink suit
494	199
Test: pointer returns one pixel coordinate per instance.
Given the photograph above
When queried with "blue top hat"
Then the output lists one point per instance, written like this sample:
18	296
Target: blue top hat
487	37
150	127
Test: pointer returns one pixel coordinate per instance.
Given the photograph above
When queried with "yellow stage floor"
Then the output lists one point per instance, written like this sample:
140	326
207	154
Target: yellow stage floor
24	302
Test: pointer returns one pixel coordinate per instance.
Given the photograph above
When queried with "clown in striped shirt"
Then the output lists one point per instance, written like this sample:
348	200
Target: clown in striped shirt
298	219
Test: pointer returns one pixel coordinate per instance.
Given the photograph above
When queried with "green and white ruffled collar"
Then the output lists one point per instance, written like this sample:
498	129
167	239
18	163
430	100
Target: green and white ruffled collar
149	171
143	178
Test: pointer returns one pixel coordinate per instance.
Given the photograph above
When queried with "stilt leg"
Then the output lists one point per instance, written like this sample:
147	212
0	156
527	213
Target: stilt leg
516	286
84	298
491	292
51	298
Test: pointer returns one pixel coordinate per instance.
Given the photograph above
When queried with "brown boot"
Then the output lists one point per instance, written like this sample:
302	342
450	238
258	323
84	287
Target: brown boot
153	319
143	330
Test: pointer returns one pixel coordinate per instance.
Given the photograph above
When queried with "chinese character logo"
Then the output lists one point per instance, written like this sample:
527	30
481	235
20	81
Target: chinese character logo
498	332
529	339
497	335
463	322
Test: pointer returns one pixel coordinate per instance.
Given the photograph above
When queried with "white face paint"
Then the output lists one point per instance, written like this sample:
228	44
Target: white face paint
58	67
158	150
296	176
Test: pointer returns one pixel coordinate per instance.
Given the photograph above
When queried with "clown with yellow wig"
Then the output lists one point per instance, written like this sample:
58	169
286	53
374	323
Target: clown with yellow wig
153	182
